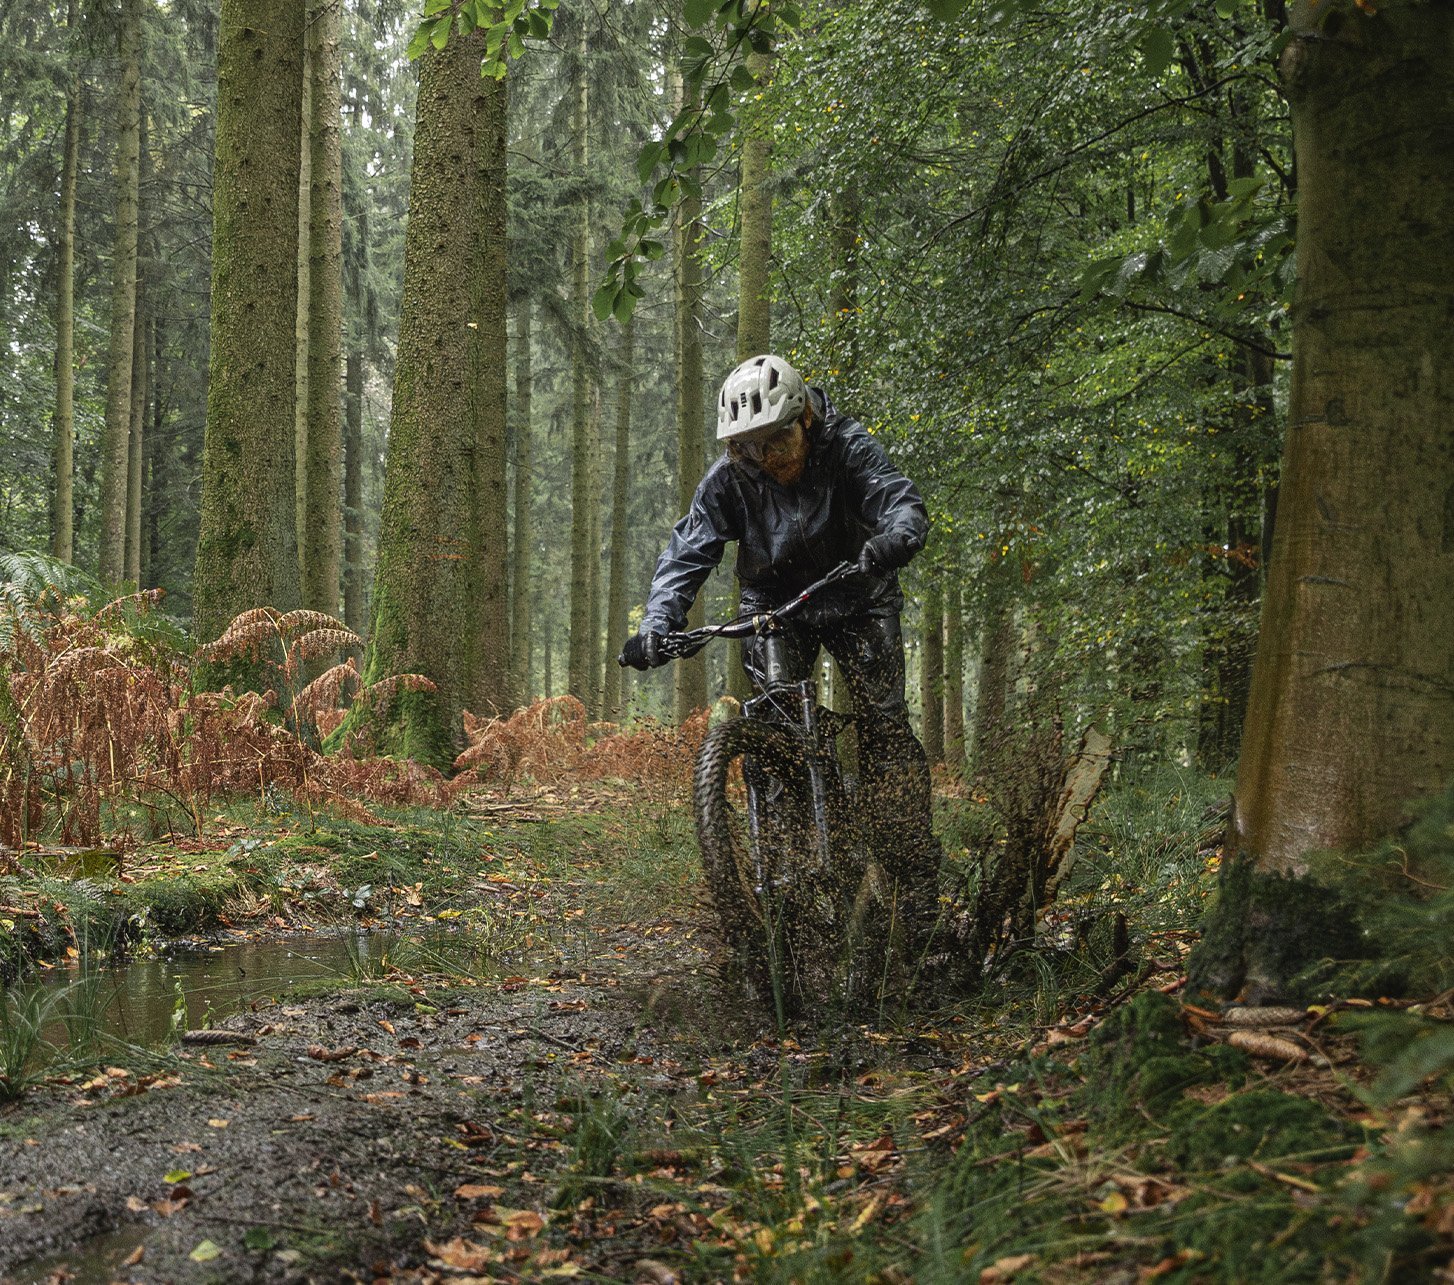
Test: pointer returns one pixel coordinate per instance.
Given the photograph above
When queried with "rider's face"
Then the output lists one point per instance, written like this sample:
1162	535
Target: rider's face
784	454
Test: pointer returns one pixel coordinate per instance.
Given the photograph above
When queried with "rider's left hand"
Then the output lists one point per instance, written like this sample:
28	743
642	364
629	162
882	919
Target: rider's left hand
886	552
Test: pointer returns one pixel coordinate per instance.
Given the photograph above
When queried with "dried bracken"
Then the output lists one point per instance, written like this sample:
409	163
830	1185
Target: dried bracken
552	742
95	714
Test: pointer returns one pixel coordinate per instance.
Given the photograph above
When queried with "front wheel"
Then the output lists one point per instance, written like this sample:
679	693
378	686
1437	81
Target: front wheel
753	804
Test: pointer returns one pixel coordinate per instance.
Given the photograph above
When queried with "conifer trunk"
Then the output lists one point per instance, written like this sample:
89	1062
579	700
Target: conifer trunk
581	680
247	547
427	601
611	701
353	518
490	315
320	537
116	435
63	449
135	449
523	549
690	686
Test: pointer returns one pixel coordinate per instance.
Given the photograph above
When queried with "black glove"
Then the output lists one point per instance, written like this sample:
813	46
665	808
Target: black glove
642	651
887	552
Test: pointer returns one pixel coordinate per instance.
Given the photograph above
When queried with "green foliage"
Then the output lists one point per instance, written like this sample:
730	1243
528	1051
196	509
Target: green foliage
507	25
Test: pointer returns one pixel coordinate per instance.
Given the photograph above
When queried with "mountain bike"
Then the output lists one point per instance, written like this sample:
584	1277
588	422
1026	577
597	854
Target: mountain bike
788	865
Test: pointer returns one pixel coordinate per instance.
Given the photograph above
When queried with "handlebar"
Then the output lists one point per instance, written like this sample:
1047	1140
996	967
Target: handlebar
679	646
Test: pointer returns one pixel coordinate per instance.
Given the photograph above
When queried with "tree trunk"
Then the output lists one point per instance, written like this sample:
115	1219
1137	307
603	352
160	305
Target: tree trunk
320	537
247	547
1351	715
953	673
754	265
140	353
931	667
116	436
301	329
427	608
620	477
690	685
154	483
62	544
523	551
490	314
581	681
754	213
354	610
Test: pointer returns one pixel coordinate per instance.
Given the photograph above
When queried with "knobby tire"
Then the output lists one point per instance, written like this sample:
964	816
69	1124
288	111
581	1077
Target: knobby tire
751	883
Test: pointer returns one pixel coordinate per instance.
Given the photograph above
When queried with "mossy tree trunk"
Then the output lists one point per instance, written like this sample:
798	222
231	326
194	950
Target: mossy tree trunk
690	678
320	537
63	462
354	613
116	436
581	677
427	609
523	549
1351	714
620	492
490	314
247	546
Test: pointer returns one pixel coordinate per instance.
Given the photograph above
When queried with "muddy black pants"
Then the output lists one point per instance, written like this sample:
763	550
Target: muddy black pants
893	771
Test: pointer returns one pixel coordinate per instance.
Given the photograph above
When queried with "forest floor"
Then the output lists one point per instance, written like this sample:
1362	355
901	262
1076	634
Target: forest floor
564	1087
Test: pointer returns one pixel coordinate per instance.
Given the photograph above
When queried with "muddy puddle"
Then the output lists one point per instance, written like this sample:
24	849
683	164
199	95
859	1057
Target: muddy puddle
144	1001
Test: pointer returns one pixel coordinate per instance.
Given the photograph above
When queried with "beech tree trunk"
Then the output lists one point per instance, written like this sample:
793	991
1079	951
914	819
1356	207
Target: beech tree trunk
116	436
247	552
931	667
354	613
1351	715
953	674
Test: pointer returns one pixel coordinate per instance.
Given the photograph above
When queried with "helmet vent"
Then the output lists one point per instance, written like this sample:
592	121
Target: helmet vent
772	377
757	403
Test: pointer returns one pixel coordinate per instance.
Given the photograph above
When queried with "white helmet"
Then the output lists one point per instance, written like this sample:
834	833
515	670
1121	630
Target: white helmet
762	393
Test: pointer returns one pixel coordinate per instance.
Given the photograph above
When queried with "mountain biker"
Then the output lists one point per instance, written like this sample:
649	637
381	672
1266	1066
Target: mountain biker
802	487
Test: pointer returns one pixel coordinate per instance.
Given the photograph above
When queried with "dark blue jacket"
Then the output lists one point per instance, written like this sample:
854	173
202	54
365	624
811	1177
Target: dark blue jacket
789	536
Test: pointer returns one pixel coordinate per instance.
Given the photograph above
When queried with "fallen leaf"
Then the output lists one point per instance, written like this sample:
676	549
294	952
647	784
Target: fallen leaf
478	1191
1004	1269
461	1255
206	1252
218	1123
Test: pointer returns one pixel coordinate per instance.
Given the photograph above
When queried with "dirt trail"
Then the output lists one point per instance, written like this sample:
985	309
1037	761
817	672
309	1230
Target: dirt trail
362	1135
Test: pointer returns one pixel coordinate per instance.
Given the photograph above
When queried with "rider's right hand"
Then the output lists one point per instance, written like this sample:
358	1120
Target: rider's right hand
642	651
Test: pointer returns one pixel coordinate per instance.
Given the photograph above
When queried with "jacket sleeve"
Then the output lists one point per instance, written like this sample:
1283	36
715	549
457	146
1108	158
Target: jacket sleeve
885	499
692	554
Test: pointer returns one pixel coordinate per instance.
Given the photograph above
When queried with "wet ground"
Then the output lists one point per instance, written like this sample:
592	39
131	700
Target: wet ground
387	1130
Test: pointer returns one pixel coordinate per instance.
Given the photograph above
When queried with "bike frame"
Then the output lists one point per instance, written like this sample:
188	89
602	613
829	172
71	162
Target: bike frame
784	701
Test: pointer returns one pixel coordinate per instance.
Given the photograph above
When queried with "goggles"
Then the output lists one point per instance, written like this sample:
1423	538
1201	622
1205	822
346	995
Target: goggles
778	442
